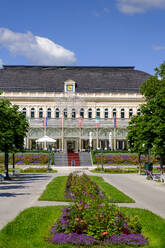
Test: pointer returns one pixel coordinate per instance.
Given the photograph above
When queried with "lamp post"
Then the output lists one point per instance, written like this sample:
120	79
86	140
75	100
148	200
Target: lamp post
110	140
49	157
102	167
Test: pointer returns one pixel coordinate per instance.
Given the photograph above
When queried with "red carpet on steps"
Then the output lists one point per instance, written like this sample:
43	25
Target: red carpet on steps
72	156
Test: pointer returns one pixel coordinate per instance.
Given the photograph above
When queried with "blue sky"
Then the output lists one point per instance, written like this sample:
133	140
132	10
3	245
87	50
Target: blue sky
83	33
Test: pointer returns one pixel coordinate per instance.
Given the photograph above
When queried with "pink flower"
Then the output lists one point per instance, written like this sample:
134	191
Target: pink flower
105	233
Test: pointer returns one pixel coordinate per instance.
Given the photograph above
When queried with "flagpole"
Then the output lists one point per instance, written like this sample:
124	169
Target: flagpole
115	126
62	125
44	122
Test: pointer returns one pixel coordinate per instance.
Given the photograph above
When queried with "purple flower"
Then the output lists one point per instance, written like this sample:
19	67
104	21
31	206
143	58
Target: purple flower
20	162
20	156
110	162
125	156
130	239
73	238
36	156
35	162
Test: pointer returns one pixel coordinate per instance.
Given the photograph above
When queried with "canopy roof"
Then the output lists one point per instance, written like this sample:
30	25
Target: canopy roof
46	139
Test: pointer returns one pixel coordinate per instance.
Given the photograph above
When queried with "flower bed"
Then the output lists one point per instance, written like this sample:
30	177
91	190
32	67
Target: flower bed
121	159
91	220
27	159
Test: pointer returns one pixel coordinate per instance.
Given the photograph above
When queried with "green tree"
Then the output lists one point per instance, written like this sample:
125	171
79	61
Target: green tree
13	129
139	137
150	127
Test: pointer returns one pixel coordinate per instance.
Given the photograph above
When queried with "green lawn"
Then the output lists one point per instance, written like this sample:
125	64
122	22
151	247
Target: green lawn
55	190
111	192
37	170
116	170
31	228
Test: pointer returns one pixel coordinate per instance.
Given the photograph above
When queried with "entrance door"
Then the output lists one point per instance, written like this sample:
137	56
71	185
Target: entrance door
71	146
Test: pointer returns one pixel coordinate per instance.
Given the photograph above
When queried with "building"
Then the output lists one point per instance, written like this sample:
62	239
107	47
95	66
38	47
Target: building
83	107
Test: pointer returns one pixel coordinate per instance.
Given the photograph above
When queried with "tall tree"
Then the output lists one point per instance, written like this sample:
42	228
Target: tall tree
154	109
13	129
150	127
139	137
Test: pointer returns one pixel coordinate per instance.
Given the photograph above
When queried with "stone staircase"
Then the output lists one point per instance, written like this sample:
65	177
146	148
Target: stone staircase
85	159
61	159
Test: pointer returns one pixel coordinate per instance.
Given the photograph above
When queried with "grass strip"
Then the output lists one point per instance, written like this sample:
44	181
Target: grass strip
32	226
37	170
112	193
116	170
55	190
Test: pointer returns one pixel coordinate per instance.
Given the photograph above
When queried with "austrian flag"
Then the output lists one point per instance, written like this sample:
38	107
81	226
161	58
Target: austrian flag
45	121
80	121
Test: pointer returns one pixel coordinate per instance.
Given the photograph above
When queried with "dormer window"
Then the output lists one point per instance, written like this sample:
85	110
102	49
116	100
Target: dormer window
69	86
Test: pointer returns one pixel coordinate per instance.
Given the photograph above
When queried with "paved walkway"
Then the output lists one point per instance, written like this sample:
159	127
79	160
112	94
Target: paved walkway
147	194
23	193
19	194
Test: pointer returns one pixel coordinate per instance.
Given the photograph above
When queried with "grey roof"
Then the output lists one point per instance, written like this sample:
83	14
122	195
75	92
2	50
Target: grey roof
88	79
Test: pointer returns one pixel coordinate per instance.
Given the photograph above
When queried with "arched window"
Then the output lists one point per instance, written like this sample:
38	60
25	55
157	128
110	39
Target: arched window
73	113
82	112
41	113
90	113
98	112
32	113
106	113
24	111
114	112
57	113
122	114
49	113
65	113
130	113
138	112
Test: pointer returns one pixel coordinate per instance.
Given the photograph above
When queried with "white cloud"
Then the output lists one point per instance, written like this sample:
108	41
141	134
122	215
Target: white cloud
158	48
1	64
38	50
138	6
100	12
106	10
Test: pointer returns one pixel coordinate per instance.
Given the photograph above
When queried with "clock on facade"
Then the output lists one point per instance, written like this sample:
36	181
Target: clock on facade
70	87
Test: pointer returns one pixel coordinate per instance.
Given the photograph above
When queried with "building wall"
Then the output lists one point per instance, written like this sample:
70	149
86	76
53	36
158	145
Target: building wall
72	128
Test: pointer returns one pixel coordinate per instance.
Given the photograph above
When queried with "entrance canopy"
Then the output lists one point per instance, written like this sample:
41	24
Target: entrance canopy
46	139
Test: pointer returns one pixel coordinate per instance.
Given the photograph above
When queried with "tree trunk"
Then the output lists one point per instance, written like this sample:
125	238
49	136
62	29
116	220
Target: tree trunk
7	166
13	164
139	158
149	155
161	164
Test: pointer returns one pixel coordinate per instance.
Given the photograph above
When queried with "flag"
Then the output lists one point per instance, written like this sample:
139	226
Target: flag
97	121
62	121
115	121
45	122
80	121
